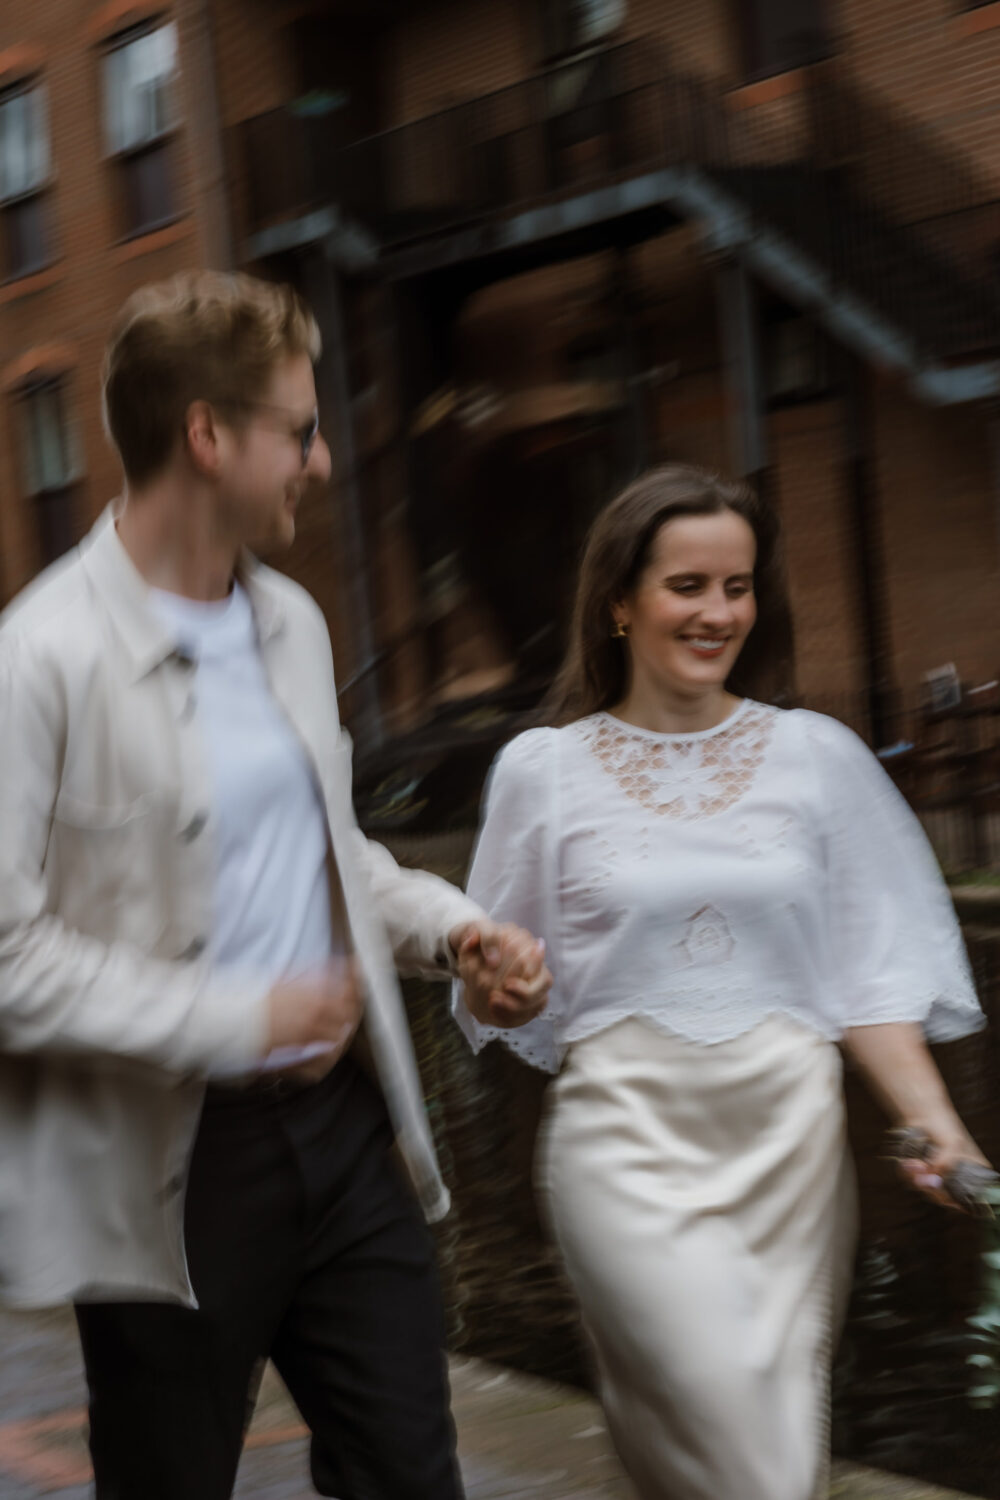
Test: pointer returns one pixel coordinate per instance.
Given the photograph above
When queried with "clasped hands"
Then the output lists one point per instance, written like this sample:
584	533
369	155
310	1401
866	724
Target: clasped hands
503	970
502	967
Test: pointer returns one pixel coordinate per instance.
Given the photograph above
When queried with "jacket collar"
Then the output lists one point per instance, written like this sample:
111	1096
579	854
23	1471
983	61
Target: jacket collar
125	595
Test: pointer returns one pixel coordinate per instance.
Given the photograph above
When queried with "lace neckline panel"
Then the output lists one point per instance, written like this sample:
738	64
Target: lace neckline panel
683	776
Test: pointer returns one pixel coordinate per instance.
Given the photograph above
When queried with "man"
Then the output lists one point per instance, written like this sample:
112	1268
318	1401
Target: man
190	927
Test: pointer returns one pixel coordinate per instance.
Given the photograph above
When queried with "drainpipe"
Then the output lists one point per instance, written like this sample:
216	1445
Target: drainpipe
637	444
739	333
368	724
880	689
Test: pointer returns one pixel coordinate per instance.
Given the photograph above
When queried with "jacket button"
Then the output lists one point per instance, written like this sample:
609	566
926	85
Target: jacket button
196	826
194	949
171	1187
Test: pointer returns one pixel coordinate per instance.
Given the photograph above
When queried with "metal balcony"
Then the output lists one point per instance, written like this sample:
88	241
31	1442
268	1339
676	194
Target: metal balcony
618	143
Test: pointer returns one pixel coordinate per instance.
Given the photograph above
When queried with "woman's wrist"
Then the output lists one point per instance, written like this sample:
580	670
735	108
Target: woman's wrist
941	1127
948	1139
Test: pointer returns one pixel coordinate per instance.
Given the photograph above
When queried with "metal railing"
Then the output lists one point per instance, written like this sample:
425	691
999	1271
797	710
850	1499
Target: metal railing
946	762
884	205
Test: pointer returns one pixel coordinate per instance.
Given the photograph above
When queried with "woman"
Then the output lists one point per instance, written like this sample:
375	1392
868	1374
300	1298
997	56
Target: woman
726	890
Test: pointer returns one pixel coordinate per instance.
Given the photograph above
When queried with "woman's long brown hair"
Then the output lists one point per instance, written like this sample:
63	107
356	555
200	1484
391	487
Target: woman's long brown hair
594	674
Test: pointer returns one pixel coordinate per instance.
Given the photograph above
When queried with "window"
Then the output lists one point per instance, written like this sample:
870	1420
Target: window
572	25
140	74
782	34
24	174
50	469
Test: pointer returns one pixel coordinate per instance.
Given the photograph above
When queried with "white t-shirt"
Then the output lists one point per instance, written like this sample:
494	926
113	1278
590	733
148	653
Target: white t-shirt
271	897
707	880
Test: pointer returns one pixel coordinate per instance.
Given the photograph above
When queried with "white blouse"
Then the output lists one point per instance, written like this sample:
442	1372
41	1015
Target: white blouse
705	881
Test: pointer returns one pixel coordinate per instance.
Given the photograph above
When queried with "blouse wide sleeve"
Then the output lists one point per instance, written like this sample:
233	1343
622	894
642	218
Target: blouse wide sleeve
511	877
897	948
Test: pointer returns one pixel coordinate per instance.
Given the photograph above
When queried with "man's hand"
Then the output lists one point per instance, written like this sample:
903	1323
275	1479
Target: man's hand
324	1007
503	970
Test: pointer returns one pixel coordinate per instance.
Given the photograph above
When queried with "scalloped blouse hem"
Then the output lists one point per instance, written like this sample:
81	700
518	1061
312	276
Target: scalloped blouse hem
942	1021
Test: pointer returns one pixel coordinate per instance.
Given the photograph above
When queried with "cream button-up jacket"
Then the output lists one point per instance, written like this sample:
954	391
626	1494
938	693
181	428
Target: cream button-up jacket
109	1015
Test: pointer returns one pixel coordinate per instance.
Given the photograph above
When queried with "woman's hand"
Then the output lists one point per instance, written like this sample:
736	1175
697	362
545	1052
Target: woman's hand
898	1066
944	1150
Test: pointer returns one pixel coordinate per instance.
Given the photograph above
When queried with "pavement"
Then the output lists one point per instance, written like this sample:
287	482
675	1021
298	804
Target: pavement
518	1435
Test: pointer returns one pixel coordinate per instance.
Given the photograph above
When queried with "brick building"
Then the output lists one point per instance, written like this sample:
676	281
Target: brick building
112	174
549	241
100	190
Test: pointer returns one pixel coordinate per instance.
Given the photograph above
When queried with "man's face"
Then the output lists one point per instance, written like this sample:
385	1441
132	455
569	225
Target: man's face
271	458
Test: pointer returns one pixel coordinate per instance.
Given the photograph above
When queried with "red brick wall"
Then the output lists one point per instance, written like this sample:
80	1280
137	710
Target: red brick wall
255	70
699	35
821	549
93	271
448	52
927	57
942	528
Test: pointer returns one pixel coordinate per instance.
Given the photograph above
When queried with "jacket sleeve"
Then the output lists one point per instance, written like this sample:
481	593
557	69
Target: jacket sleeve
67	992
418	910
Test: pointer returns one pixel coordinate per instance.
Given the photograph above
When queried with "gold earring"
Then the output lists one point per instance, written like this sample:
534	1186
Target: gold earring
619	631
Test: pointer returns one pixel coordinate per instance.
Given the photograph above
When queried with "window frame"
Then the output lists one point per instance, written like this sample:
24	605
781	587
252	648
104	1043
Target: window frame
122	159
554	50
53	504
37	193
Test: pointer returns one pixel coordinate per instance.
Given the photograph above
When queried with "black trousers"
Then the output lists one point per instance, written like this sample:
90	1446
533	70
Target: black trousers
303	1244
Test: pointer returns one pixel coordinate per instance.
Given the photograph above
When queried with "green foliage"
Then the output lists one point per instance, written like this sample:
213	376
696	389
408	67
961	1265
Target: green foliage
984	1325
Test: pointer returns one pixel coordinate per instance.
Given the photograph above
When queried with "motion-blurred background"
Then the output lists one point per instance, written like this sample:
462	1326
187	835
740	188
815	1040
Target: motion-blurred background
551	242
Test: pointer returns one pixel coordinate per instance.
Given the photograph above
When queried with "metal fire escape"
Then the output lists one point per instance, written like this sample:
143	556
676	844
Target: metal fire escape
857	216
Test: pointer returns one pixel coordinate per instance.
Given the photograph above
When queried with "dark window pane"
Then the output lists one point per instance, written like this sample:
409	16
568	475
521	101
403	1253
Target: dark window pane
781	34
572	25
56	521
24	143
337	66
25	243
147	194
47	461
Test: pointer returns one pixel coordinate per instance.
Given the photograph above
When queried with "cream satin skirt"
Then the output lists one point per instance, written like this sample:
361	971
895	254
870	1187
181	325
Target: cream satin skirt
703	1202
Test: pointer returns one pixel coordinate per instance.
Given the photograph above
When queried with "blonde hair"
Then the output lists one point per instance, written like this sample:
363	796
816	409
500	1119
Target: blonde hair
201	336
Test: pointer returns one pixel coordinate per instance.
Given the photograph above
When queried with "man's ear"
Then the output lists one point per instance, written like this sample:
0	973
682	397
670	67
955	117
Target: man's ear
204	439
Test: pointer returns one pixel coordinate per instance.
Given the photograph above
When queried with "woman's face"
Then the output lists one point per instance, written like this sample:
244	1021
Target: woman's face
693	606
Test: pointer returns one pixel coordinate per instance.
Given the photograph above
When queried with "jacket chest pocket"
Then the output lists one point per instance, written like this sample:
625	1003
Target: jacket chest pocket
105	868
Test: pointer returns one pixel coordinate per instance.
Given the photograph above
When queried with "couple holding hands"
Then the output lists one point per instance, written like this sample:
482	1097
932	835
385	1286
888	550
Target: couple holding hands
728	896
